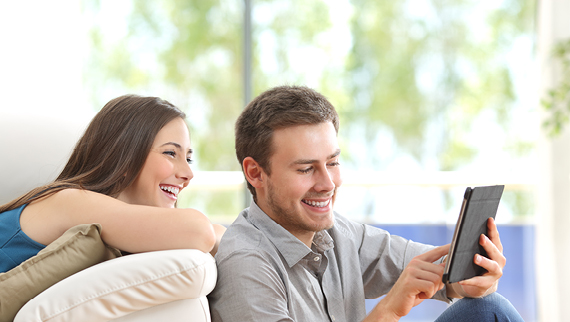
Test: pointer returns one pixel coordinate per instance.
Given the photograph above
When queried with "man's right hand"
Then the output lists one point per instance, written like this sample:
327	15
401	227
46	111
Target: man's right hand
420	280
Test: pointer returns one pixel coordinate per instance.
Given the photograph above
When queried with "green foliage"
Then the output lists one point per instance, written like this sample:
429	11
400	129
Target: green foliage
419	72
557	100
432	73
188	52
520	202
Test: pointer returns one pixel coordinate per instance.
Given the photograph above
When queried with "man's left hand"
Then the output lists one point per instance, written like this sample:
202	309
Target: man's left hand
487	283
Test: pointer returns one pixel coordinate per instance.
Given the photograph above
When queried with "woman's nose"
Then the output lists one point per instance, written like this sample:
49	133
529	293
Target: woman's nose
184	172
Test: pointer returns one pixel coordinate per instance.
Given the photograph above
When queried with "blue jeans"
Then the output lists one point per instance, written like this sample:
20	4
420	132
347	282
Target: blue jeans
493	308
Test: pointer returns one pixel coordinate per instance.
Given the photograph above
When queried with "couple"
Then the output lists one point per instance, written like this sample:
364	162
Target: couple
286	258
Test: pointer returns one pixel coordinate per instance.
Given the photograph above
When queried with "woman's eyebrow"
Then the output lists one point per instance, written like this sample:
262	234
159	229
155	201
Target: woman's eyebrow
178	146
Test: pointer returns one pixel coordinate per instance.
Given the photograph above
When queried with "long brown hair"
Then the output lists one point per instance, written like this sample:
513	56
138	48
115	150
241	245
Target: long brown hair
113	149
276	108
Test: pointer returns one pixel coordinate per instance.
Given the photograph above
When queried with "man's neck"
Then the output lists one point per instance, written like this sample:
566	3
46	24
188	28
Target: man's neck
306	237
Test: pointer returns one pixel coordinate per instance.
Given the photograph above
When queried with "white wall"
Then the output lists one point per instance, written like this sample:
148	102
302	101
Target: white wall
43	46
42	107
553	217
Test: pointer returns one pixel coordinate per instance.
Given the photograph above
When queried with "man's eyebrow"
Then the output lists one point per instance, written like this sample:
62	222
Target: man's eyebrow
310	161
176	145
334	155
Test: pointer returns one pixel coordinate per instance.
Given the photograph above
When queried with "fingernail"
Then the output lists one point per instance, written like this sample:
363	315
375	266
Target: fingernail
478	258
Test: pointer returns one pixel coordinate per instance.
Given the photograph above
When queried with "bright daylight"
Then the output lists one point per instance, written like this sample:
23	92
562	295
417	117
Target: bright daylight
271	160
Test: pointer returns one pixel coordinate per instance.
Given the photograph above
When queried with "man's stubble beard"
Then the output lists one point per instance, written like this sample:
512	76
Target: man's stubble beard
288	217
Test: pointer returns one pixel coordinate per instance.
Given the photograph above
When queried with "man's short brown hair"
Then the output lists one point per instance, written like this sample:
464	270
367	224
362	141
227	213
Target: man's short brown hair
277	108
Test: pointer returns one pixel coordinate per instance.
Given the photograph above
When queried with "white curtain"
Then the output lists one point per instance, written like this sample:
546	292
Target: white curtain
553	215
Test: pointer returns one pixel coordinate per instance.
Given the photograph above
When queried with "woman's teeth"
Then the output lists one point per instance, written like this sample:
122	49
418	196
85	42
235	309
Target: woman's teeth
172	190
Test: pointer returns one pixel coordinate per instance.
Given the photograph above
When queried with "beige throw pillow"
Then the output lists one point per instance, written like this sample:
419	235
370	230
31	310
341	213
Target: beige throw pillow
78	248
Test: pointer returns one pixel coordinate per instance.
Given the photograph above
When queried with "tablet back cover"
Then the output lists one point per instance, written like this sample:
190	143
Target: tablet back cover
482	204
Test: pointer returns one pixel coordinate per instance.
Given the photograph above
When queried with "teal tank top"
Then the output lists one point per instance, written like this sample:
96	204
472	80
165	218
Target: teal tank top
15	246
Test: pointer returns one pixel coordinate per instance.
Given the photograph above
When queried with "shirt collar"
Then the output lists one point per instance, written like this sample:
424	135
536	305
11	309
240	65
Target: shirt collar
290	247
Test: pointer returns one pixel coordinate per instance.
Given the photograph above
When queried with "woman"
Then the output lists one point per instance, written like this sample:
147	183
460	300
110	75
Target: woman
125	173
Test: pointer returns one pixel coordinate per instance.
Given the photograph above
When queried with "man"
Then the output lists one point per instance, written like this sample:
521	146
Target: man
289	257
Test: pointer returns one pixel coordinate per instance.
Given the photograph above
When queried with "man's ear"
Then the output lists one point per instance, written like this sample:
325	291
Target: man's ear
253	172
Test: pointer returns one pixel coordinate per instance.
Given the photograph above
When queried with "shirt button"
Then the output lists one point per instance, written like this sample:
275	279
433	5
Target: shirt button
316	259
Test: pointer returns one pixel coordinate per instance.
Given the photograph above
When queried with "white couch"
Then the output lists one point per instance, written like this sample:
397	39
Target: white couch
156	286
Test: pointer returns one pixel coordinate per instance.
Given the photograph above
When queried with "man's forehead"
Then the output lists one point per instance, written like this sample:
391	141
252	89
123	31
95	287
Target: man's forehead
306	142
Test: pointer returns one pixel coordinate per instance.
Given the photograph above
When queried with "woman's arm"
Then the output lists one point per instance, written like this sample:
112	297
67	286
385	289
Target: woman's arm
131	228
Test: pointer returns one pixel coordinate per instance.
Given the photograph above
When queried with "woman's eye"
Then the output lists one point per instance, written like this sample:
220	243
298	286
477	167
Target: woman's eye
190	161
170	153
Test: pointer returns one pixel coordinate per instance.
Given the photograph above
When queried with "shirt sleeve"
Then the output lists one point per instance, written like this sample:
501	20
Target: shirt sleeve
248	289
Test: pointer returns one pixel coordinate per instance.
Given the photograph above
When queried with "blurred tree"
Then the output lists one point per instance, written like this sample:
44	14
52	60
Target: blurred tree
424	70
185	51
416	73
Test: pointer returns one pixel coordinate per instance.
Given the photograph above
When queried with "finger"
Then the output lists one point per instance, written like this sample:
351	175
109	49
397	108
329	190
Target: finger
425	270
478	286
425	273
428	288
492	251
482	281
493	234
493	268
434	254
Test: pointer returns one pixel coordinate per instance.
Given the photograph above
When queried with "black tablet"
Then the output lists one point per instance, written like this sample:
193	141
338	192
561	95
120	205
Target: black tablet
479	204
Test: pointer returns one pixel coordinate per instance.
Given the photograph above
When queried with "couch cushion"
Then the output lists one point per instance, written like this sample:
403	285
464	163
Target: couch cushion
77	249
123	285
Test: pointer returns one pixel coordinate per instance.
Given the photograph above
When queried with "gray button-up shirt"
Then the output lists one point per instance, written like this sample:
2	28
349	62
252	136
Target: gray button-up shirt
267	274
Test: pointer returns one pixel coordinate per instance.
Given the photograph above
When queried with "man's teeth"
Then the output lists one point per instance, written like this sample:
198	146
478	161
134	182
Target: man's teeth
316	203
170	189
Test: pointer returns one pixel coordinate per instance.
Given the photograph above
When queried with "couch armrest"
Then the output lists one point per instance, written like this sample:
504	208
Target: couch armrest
123	285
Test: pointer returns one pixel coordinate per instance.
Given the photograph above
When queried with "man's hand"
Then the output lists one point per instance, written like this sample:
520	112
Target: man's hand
420	280
487	283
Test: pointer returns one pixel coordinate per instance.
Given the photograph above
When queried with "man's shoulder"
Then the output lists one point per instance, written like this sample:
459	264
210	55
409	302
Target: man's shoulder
242	238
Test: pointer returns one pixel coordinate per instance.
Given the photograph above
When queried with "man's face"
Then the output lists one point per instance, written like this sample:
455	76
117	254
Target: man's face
300	192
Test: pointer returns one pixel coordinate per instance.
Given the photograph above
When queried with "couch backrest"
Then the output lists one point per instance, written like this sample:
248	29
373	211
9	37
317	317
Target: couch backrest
34	149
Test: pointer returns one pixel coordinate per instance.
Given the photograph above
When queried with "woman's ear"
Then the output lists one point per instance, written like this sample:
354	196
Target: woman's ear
253	172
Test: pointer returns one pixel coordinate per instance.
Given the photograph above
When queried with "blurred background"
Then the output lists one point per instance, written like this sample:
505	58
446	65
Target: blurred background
433	96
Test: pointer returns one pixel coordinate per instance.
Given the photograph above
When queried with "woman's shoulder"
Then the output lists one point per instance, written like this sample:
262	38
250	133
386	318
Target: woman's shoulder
54	214
70	195
76	194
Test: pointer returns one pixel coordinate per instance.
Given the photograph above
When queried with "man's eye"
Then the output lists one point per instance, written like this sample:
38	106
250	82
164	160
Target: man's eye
305	170
334	164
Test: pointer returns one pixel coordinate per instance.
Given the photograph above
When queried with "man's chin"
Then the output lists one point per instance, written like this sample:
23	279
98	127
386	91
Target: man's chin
325	223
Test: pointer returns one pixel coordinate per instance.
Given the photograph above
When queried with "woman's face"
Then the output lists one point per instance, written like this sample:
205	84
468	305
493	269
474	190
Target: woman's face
166	170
